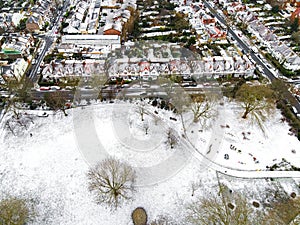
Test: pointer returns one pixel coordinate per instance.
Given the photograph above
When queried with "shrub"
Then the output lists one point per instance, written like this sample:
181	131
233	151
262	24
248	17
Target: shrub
14	211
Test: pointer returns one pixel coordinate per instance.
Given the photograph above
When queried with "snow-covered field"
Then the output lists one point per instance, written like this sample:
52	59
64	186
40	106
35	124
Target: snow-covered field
50	167
248	147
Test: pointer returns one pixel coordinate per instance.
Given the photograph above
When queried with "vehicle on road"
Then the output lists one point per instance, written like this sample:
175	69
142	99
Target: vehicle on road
185	84
145	85
44	88
254	49
294	110
55	88
125	85
69	88
259	56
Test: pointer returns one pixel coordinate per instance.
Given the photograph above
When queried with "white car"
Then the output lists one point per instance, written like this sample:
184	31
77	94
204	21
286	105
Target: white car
55	88
69	88
145	85
125	85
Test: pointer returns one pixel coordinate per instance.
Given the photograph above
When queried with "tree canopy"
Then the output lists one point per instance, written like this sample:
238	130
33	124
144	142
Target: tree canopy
257	99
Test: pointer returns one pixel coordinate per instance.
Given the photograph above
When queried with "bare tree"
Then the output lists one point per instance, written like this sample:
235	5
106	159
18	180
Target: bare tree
258	99
195	186
18	120
171	138
56	101
284	211
181	102
202	108
166	84
15	211
162	220
23	92
141	109
146	127
176	97
98	81
112	182
10	127
19	92
218	209
156	119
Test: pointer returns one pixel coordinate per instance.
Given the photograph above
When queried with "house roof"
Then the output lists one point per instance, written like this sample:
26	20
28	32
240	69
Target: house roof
116	26
296	14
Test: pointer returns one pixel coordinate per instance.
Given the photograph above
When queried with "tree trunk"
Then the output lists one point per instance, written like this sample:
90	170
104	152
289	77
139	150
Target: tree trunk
183	126
245	114
64	111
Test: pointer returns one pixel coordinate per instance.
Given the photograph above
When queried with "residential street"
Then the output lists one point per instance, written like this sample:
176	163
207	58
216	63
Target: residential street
254	56
33	73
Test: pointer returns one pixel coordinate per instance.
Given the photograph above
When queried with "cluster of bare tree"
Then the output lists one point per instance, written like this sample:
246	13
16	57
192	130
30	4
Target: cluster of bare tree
19	92
218	209
226	208
284	211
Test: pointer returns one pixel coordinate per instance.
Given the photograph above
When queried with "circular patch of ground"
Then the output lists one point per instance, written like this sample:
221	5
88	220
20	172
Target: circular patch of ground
139	216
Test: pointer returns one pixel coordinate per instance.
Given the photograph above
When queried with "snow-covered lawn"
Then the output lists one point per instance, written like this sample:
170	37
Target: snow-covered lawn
51	166
247	146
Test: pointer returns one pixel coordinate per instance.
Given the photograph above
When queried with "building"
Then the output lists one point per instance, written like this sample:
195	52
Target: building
91	40
19	68
34	23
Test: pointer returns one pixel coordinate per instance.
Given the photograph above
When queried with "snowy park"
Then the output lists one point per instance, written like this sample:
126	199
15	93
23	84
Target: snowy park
48	160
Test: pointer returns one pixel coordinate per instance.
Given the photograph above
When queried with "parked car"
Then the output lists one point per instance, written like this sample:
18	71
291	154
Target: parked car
55	88
145	85
69	88
125	85
185	84
44	88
